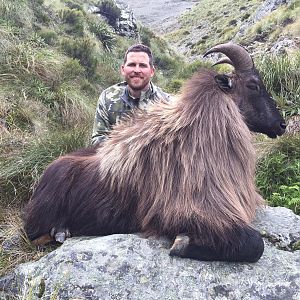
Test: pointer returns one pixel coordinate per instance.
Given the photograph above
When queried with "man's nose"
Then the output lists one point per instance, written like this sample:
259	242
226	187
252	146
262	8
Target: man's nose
137	69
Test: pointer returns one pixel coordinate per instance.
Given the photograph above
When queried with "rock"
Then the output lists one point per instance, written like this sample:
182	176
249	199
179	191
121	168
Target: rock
293	125
126	25
283	45
280	226
131	267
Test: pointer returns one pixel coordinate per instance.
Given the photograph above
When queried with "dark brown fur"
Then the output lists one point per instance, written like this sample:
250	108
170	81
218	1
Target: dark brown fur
184	167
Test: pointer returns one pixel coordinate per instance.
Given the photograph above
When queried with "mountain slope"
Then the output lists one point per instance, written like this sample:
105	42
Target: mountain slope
261	24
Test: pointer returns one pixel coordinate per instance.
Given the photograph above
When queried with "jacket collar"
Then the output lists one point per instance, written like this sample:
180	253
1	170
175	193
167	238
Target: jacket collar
131	102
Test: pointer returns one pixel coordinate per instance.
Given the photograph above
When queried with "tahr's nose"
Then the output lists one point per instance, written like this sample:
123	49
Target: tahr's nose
282	125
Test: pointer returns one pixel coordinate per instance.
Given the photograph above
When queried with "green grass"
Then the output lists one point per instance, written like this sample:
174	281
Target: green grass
20	173
281	75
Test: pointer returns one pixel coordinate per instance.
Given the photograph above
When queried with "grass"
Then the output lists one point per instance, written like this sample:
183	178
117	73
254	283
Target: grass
281	75
278	173
283	21
19	173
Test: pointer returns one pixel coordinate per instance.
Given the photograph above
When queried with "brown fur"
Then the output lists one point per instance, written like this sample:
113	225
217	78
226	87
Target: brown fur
192	162
182	167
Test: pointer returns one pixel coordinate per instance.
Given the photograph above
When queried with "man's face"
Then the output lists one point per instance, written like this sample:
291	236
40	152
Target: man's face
137	71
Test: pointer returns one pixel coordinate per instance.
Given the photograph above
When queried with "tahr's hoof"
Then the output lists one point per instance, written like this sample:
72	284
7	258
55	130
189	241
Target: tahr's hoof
60	235
179	246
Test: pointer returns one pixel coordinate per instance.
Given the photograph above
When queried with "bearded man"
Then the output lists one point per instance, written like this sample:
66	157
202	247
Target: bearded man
137	91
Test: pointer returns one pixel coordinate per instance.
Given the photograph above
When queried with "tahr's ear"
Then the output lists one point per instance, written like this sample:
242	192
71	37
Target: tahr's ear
224	82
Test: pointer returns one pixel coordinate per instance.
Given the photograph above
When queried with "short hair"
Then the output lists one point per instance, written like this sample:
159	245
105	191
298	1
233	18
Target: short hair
140	48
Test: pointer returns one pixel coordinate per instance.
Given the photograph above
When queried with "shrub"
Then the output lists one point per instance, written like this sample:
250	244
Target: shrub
83	50
110	10
174	85
72	69
74	5
146	35
75	19
49	36
165	62
288	196
187	70
278	173
103	32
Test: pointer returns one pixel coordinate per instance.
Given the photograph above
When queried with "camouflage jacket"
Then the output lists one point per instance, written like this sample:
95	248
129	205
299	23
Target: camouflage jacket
115	102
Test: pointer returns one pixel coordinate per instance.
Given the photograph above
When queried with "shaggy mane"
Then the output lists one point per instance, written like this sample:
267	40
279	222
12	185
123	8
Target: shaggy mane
188	162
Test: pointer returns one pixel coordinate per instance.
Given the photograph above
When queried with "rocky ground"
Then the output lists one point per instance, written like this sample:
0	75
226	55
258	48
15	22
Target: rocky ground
159	15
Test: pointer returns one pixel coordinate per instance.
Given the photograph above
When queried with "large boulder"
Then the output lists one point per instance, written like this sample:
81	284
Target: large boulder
131	267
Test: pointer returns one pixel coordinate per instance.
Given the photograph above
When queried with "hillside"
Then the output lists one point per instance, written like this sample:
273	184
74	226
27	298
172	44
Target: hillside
263	26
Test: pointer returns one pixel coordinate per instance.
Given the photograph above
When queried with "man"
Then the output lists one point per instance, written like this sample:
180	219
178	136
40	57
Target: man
136	92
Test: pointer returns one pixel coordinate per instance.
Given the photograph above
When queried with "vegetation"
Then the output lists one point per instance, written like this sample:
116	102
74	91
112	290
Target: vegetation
109	9
281	75
278	173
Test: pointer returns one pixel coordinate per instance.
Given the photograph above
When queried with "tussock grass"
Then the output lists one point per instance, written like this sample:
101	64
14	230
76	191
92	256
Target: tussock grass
16	12
281	75
20	173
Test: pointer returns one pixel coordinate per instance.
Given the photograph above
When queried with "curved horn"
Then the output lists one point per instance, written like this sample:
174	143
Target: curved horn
224	60
239	56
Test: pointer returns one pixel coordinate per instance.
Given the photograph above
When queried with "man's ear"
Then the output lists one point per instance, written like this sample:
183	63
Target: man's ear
122	70
152	71
224	82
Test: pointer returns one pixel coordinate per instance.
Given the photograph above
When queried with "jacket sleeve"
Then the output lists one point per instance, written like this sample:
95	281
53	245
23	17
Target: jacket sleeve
102	125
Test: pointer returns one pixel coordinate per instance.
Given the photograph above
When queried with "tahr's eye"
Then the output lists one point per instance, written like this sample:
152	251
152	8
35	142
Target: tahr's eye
253	86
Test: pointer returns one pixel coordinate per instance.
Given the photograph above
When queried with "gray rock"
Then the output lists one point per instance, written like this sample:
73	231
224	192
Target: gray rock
126	24
280	226
293	125
283	45
131	267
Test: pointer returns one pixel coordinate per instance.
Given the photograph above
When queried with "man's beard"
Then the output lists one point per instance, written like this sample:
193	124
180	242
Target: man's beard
141	86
